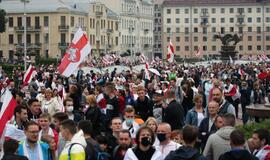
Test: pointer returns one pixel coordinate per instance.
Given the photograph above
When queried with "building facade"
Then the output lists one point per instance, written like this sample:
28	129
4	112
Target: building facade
51	26
136	26
158	28
191	25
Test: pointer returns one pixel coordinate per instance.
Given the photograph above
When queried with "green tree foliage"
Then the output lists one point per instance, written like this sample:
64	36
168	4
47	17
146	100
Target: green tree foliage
3	20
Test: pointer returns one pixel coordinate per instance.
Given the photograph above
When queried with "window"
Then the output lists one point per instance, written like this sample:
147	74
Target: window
204	38
168	11
177	48
240	48
222	20
259	38
240	20
214	48
267	38
231	29
249	20
168	20
205	48
37	22
63	20
168	39
222	10
19	21
195	39
213	29
258	10
258	19
259	48
186	11
72	22
177	11
19	38
72	36
187	48
177	30
37	38
268	47
267	10
46	21
249	38
213	20
240	10
195	20
186	30
267	29
249	29
28	38
249	48
10	21
240	29
168	30
204	30
195	29
28	21
267	19
195	10
258	29
231	20
177	39
222	30
10	39
63	38
231	10
213	10
46	38
186	20
249	10
177	20
186	39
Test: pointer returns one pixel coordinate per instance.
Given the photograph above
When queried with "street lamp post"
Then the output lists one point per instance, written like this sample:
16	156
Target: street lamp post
24	16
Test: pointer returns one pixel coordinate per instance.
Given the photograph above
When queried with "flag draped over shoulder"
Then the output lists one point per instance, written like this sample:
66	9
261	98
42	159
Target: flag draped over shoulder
76	53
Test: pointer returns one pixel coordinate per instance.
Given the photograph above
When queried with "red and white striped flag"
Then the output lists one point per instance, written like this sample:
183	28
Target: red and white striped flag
264	57
199	51
28	75
7	106
147	74
241	71
143	59
105	61
170	53
76	53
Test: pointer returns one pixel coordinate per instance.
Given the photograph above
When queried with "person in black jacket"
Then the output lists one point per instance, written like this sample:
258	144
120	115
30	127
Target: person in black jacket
174	112
237	141
10	147
143	105
188	151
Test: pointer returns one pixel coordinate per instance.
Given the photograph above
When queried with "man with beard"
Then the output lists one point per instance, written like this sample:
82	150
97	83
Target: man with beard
224	105
125	142
158	105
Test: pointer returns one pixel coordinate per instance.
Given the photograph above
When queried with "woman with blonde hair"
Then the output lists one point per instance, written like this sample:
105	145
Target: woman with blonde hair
49	104
196	114
93	113
151	122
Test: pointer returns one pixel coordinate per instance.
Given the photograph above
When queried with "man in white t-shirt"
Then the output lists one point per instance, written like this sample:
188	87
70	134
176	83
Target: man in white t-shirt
129	122
166	145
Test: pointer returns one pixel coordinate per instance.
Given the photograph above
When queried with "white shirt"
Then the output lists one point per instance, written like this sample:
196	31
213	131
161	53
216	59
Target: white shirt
133	130
200	118
166	149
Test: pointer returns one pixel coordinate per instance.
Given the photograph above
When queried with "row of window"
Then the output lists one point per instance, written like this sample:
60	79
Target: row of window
222	30
214	20
221	10
214	48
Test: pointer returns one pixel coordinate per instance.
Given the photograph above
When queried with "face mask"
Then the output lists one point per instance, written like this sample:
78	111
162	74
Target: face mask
146	141
161	137
70	109
129	122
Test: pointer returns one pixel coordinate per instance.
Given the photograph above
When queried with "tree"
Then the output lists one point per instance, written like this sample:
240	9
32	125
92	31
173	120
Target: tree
3	20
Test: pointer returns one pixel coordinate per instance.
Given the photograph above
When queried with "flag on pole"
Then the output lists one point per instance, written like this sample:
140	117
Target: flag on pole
170	53
241	71
142	58
147	75
231	60
7	106
76	53
199	51
28	75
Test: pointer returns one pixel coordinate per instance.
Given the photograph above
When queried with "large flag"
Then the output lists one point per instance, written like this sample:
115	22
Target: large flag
76	53
199	51
28	75
231	60
7	106
142	57
147	74
264	57
170	53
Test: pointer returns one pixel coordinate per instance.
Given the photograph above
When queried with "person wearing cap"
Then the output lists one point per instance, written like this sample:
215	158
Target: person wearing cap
158	105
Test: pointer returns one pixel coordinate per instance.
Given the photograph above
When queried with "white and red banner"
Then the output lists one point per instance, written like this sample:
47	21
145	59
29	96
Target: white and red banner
147	74
264	57
28	75
199	51
170	53
77	51
7	106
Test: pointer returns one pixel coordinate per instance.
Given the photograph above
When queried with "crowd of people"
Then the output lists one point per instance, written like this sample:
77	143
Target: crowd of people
185	113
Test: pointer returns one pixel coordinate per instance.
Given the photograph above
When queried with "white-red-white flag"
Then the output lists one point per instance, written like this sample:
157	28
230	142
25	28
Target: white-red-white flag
264	57
241	71
199	51
147	74
7	106
105	61
143	59
28	75
77	51
170	53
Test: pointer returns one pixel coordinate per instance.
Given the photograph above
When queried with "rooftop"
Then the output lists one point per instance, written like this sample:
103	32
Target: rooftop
211	2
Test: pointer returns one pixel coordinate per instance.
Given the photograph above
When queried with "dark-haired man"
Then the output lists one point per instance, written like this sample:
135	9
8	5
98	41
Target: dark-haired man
187	151
125	142
34	107
261	140
237	140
